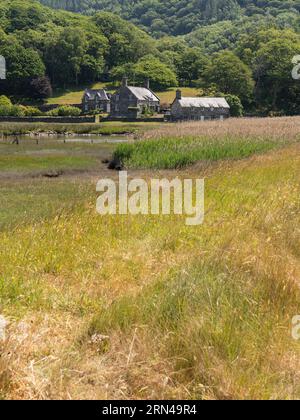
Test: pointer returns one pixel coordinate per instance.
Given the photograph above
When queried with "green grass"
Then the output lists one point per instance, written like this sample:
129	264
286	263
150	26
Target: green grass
50	155
31	201
29	164
26	196
174	153
168	96
73	95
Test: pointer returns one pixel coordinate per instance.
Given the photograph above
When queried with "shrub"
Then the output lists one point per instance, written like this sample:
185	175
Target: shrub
236	107
31	111
7	109
4	111
65	111
5	101
40	88
17	111
5	106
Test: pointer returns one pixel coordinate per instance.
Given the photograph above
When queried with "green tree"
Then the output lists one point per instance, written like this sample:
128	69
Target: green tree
236	106
275	87
191	66
159	74
230	75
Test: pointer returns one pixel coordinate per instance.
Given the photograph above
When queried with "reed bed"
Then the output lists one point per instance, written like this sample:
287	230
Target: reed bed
181	145
287	128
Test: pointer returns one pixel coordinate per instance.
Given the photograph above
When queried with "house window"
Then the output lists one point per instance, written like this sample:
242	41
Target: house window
117	98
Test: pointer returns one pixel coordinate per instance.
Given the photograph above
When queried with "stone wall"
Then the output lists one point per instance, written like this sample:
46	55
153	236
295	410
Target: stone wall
50	120
115	119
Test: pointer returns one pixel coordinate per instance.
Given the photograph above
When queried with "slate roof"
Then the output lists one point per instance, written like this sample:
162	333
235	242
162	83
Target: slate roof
101	93
204	103
143	94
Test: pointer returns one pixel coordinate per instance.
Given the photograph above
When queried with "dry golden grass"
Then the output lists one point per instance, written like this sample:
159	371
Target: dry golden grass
287	128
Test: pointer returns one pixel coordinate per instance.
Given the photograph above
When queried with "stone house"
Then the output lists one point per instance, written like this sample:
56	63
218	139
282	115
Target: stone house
199	109
96	100
133	102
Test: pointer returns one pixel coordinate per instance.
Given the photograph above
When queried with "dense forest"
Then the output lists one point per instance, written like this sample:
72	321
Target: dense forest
178	17
249	58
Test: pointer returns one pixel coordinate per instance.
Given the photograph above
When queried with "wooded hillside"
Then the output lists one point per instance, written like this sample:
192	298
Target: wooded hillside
249	59
177	17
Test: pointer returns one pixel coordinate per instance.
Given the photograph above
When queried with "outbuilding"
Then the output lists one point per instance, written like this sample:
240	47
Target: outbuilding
199	109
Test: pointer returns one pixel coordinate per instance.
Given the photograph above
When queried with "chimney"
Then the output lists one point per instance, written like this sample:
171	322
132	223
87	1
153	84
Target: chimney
125	81
178	94
147	83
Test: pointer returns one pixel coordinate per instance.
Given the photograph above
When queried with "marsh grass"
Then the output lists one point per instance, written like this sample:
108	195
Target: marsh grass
106	128
187	143
202	312
168	153
39	164
30	158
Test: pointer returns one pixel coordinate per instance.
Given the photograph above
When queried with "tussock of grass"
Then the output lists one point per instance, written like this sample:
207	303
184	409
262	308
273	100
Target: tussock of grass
211	315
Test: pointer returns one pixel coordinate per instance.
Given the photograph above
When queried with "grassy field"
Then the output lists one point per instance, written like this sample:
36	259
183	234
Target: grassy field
74	95
146	307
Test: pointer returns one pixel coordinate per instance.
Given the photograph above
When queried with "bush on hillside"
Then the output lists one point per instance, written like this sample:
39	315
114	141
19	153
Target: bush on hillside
31	111
7	109
5	101
16	111
65	111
